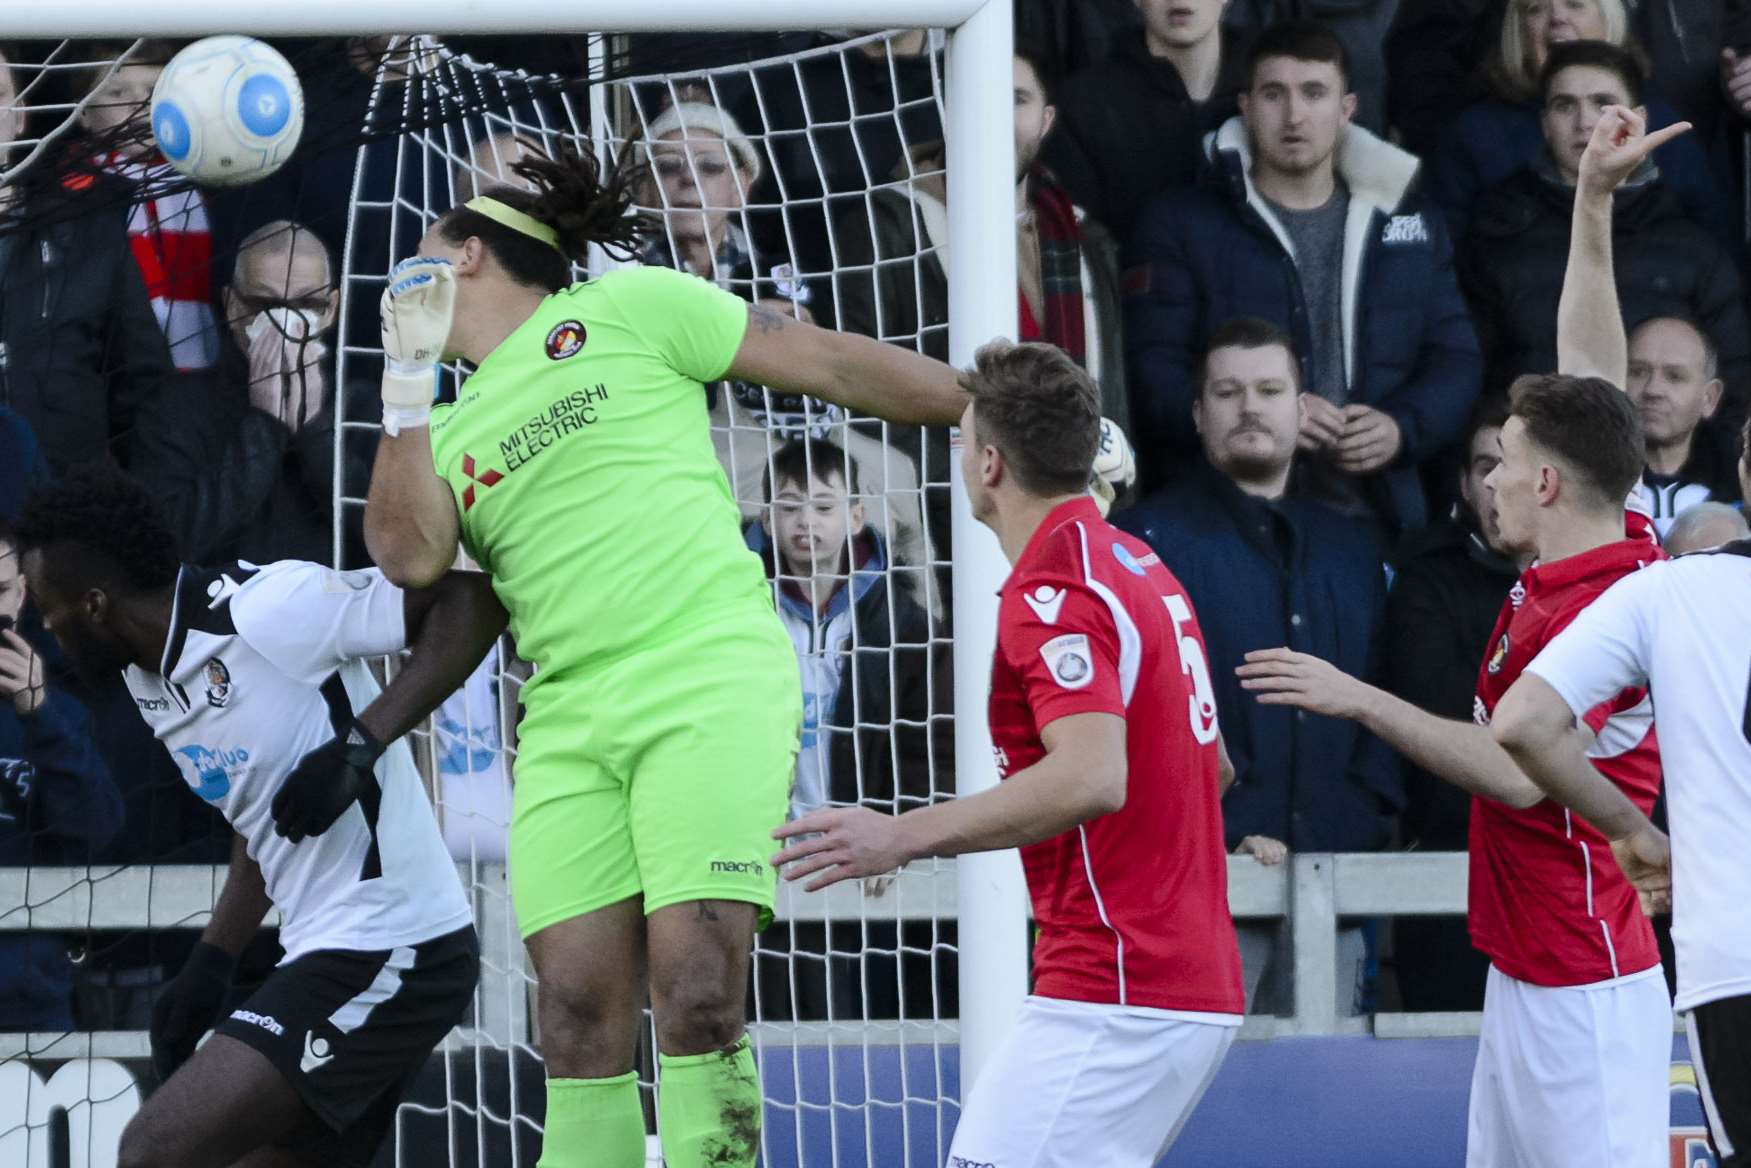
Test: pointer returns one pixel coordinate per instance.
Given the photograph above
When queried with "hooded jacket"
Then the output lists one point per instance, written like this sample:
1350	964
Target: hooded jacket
1203	257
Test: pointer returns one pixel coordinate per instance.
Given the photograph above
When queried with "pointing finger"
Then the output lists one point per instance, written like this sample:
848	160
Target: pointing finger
1660	137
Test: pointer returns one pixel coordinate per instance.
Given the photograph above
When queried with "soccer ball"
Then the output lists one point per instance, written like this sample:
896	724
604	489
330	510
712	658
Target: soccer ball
227	110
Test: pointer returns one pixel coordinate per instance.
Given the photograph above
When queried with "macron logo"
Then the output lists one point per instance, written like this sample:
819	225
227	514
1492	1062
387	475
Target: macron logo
1045	601
317	1052
266	1021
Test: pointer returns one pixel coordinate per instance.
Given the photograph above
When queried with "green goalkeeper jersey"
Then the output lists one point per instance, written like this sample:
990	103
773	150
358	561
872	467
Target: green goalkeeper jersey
581	460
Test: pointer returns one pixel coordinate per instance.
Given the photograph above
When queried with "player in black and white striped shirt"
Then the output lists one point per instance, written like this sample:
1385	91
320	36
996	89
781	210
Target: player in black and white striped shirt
251	677
1683	628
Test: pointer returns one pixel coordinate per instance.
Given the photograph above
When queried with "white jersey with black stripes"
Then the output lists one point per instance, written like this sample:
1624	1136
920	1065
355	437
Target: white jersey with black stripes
260	667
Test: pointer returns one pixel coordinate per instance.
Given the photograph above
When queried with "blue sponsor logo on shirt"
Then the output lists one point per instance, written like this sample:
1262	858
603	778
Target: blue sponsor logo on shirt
1126	560
209	771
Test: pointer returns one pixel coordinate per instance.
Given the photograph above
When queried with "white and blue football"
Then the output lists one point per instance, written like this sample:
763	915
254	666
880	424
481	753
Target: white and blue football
227	111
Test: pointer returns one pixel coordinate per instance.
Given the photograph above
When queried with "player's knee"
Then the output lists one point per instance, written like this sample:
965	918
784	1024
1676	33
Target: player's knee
698	1015
581	1008
590	1031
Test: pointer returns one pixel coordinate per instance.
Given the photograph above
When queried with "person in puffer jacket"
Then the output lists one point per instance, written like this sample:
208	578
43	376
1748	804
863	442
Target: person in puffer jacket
1317	226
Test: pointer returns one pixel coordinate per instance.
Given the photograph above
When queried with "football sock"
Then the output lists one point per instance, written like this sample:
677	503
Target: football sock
708	1108
594	1123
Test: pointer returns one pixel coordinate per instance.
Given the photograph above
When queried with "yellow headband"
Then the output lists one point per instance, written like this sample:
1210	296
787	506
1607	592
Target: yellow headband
514	219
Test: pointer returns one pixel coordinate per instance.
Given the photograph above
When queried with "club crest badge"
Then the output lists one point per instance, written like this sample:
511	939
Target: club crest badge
218	684
566	339
1068	660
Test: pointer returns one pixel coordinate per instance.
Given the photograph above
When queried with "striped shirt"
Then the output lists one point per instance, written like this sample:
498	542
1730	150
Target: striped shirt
173	247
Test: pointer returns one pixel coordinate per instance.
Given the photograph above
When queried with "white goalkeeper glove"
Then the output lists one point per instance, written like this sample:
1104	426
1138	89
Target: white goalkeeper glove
417	308
1115	466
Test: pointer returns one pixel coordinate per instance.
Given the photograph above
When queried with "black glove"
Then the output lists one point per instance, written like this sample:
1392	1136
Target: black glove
326	782
188	1005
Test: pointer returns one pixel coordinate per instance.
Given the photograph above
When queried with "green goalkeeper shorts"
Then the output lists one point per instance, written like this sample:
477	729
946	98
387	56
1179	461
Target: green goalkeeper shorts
661	775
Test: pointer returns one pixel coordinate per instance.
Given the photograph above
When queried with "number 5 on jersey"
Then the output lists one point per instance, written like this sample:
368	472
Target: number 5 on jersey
1201	706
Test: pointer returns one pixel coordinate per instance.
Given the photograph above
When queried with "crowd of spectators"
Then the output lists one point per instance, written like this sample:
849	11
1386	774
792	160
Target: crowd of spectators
1302	246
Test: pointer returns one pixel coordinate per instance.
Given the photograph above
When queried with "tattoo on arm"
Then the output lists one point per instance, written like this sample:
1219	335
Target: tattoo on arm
706	912
765	319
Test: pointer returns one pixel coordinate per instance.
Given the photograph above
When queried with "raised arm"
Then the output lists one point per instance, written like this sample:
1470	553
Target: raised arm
867	376
1590	339
411	525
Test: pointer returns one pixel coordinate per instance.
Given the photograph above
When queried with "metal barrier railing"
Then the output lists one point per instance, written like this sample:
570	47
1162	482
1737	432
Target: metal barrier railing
1311	890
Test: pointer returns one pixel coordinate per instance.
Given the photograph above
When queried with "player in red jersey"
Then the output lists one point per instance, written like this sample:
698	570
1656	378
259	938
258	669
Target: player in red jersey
1104	725
1573	1060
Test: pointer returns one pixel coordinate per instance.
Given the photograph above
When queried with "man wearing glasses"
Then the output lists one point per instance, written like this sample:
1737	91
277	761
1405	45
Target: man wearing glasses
241	459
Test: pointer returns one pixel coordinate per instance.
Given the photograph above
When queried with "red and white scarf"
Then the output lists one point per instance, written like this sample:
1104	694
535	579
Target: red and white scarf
173	246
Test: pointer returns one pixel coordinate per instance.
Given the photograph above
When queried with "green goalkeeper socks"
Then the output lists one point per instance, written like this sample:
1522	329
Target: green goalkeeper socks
708	1108
594	1123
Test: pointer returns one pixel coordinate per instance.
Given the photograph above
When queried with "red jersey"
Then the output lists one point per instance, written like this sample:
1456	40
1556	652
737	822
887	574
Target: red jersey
1132	907
1548	903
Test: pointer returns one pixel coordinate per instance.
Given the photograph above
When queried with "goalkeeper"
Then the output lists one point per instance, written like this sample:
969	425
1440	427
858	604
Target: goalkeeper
661	726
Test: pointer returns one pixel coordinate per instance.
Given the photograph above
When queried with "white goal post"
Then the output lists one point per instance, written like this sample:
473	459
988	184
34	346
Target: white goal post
978	126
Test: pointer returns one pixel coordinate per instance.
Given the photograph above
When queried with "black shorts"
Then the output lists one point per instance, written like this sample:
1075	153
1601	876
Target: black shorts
1720	1050
350	1029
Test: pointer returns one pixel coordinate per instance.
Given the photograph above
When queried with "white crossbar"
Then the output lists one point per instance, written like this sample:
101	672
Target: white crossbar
190	18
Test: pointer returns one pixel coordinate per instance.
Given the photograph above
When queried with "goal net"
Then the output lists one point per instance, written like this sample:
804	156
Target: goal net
803	171
806	182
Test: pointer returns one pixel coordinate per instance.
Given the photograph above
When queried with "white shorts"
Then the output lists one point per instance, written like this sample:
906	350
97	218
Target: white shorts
1573	1075
1079	1083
